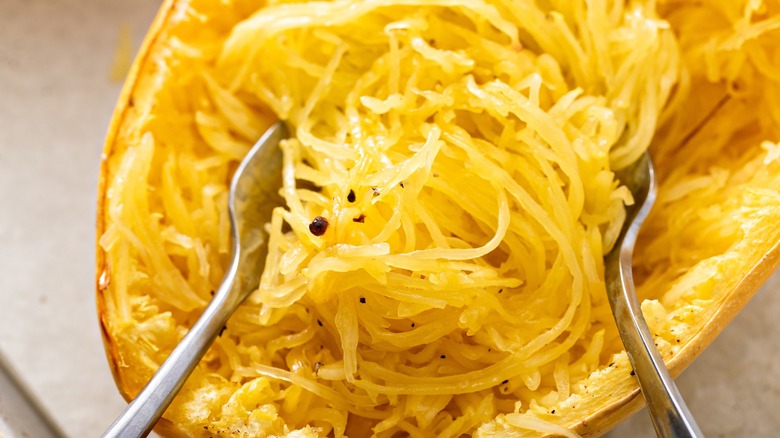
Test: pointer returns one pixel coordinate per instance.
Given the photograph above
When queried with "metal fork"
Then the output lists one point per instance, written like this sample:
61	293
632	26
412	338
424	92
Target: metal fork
668	411
253	196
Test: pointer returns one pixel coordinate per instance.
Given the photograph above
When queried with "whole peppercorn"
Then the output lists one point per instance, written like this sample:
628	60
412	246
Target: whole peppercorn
318	226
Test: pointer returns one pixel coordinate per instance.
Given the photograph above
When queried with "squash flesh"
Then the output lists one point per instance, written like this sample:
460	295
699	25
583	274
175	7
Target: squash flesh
696	272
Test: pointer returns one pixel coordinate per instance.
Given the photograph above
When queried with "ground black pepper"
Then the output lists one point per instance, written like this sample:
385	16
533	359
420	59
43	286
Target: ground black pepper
351	196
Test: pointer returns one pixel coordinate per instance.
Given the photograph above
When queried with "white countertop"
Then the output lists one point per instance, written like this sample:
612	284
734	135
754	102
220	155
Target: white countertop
56	98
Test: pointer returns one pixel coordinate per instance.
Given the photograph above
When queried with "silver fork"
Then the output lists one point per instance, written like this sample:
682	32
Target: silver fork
253	196
668	411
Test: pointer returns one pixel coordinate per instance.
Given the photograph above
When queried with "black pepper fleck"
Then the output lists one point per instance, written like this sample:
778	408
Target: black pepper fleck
500	290
376	191
319	323
402	185
443	356
412	325
612	364
360	219
362	300
633	373
553	411
505	382
351	196
318	226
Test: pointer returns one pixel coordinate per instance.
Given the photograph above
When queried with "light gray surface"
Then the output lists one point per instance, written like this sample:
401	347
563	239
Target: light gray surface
56	99
19	413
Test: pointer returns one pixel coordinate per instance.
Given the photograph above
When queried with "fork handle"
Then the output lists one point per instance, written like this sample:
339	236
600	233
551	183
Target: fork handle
140	416
668	411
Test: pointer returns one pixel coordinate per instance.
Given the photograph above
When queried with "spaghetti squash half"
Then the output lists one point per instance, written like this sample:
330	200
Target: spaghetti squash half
436	268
